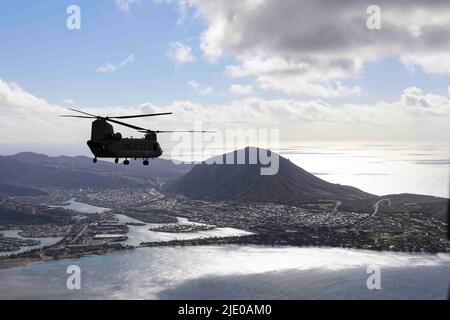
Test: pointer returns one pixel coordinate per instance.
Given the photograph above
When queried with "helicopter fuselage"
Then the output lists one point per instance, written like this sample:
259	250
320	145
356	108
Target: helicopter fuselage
104	143
125	148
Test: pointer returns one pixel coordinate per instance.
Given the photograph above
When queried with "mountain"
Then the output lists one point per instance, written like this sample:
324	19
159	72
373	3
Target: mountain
291	184
11	190
158	168
29	169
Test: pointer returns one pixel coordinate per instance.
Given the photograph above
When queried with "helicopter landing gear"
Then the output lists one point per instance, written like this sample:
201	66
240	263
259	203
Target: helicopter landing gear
145	163
94	160
116	160
126	162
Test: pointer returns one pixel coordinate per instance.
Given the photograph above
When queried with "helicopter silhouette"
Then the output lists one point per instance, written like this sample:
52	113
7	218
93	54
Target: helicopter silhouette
105	143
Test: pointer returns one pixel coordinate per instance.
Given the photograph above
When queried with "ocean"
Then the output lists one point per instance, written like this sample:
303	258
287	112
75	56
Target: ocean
379	169
262	272
234	272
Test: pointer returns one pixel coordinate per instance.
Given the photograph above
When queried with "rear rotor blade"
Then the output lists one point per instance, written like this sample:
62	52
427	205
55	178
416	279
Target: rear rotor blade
171	131
140	115
189	131
82	112
126	124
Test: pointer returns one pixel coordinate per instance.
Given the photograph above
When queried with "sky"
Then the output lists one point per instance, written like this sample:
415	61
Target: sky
316	71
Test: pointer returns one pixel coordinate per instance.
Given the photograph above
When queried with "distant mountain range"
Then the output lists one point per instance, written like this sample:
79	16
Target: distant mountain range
21	172
291	184
12	190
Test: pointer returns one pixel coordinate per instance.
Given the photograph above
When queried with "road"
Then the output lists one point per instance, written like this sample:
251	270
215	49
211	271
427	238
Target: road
338	203
377	204
375	209
80	234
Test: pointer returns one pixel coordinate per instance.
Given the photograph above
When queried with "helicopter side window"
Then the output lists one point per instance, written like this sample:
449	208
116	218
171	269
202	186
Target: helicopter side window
154	147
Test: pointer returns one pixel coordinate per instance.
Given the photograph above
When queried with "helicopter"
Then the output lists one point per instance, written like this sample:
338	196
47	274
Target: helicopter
105	143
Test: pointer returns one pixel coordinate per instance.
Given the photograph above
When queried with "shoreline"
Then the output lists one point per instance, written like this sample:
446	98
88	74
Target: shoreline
302	228
36	256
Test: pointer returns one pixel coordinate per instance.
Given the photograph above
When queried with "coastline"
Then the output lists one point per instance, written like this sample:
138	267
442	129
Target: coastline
37	256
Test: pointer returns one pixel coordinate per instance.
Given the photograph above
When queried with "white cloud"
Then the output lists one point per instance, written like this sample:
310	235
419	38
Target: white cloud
287	48
194	84
12	94
110	68
240	89
180	52
430	62
181	6
203	90
298	85
128	60
414	116
275	73
27	118
124	5
68	102
107	68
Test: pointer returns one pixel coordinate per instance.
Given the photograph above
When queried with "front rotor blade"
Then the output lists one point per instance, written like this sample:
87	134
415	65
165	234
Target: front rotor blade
126	124
82	112
84	117
141	115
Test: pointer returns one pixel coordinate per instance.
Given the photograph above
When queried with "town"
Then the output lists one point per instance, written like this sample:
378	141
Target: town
312	224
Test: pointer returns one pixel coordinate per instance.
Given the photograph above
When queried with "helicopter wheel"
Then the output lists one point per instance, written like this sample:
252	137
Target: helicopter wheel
145	162
94	160
126	162
116	160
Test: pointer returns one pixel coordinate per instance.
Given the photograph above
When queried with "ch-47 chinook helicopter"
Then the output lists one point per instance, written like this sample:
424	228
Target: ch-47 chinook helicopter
105	143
